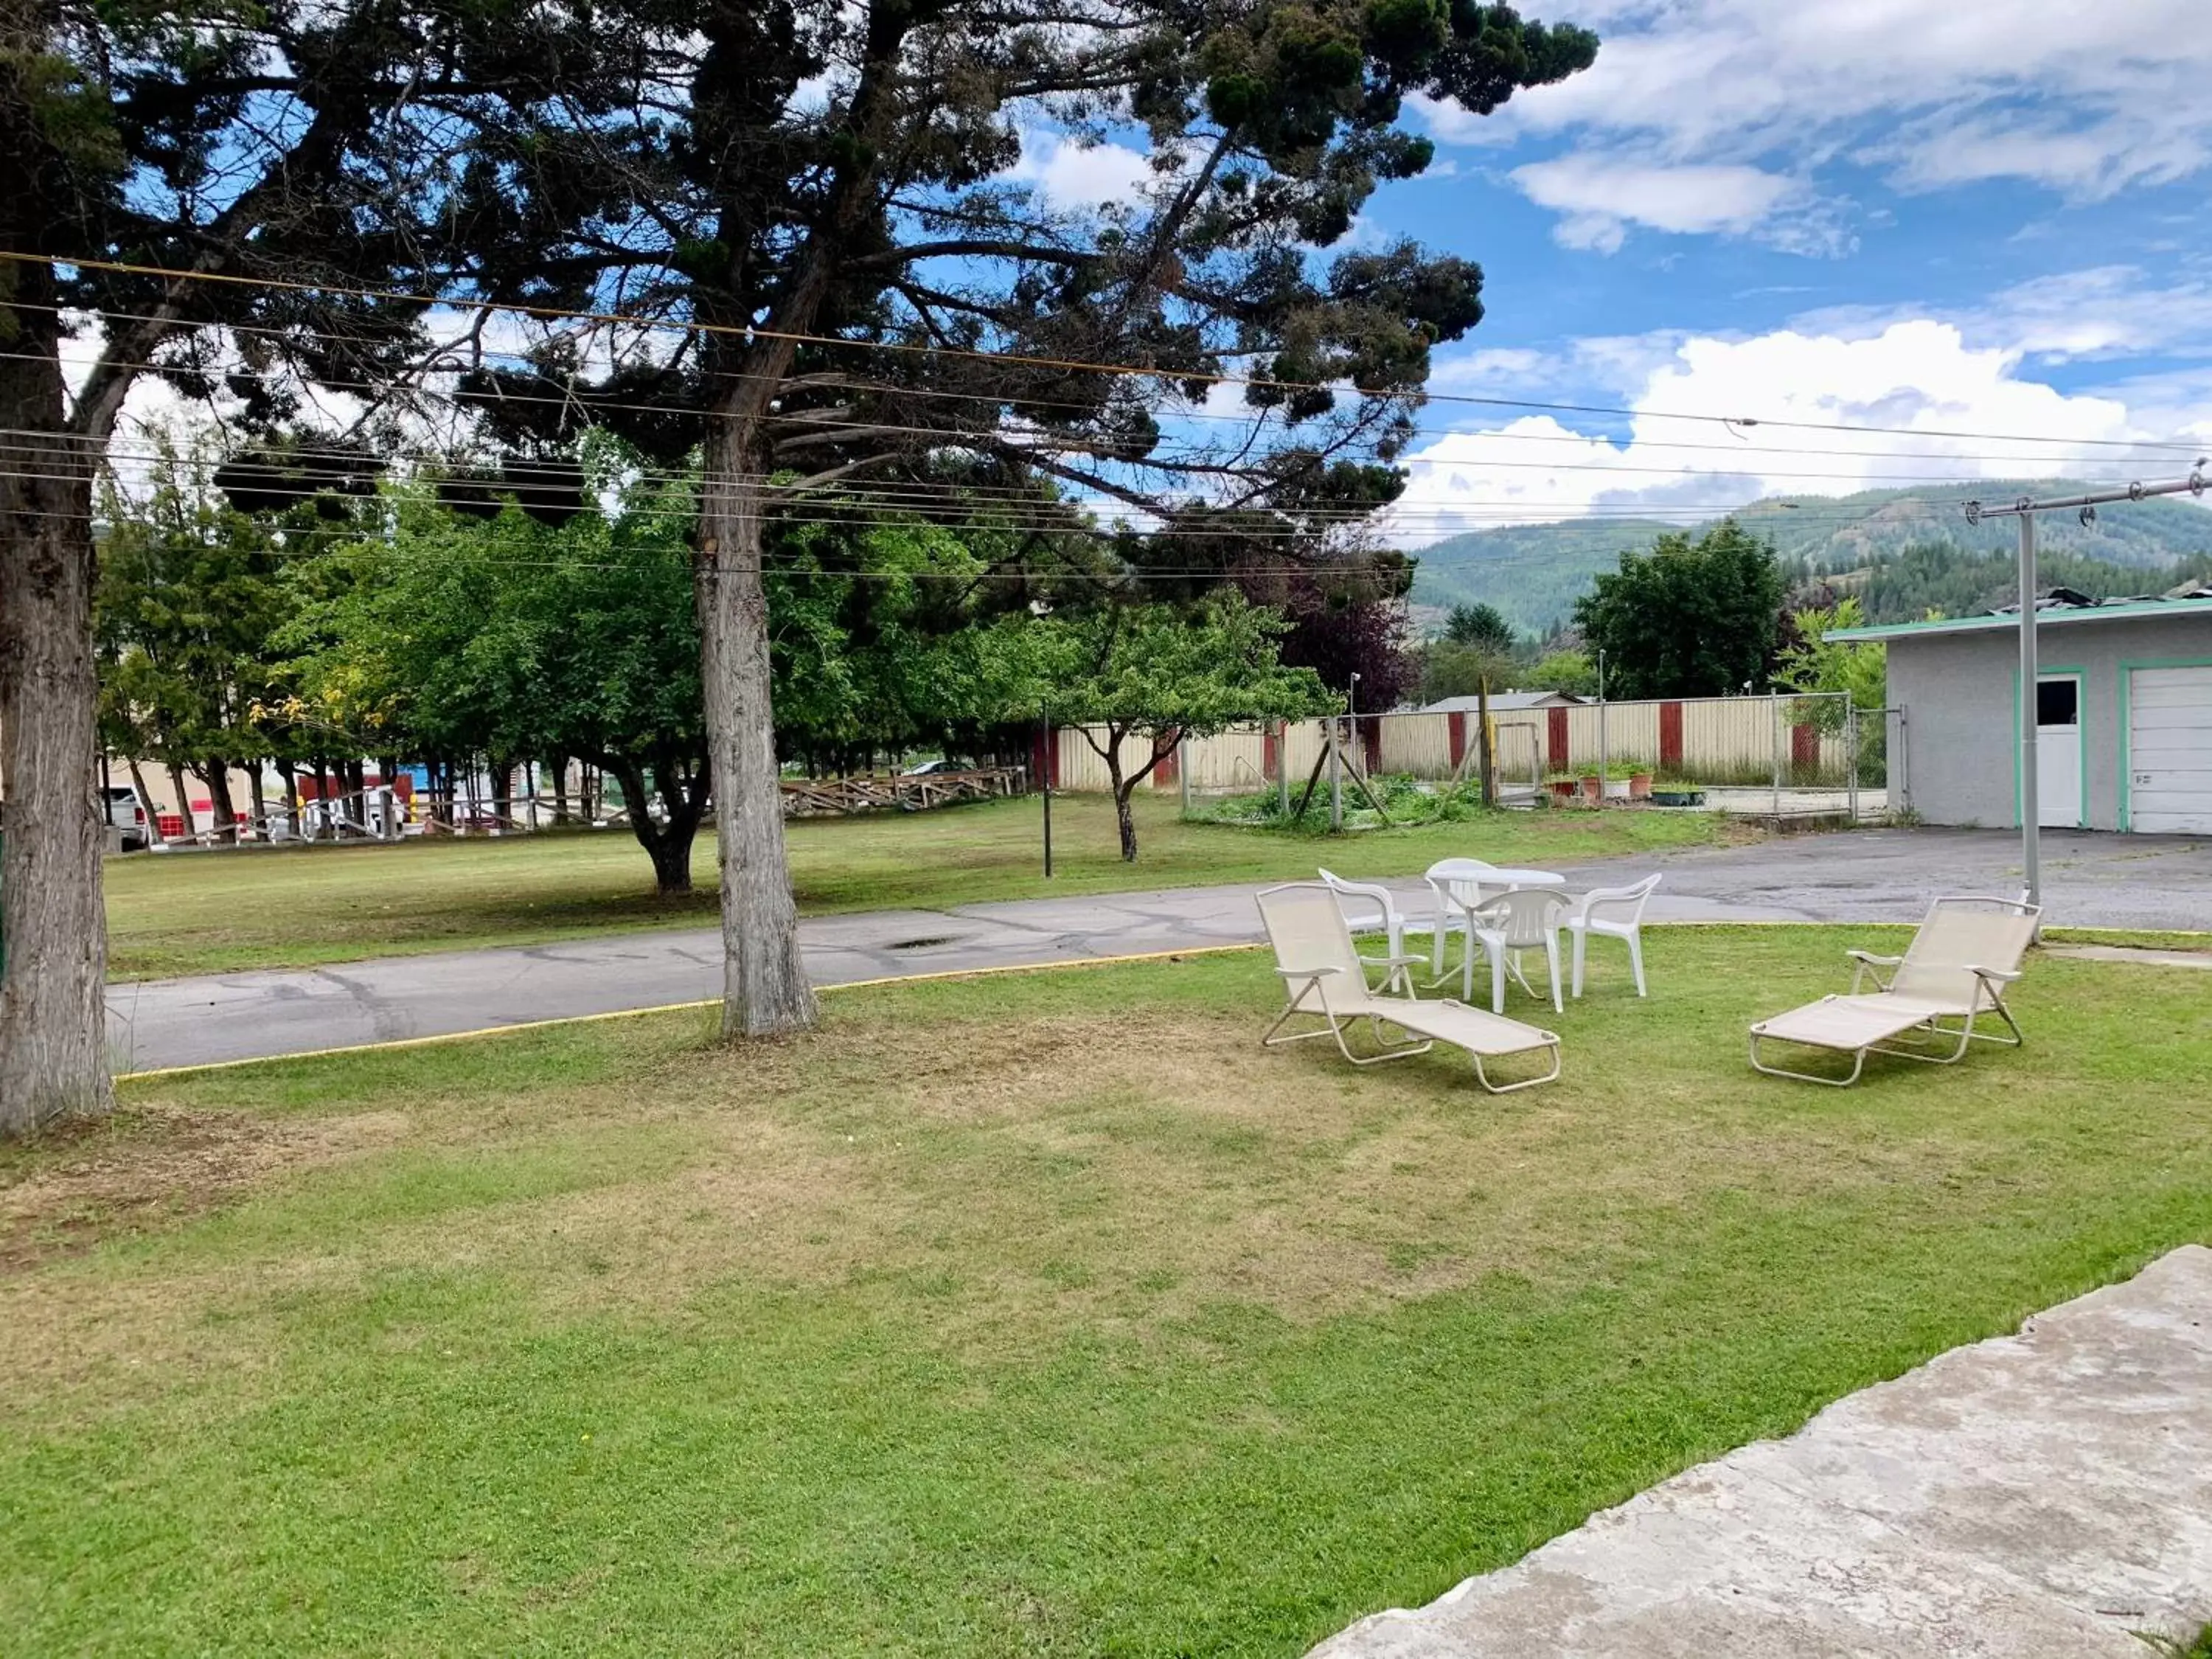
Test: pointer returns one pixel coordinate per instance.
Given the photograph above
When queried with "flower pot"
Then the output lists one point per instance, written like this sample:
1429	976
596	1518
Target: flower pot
1564	788
1639	787
1593	787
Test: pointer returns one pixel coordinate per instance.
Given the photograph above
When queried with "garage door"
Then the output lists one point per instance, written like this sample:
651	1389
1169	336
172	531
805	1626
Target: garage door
2170	751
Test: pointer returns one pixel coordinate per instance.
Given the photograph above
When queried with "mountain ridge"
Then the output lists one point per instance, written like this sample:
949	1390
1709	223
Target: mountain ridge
1535	573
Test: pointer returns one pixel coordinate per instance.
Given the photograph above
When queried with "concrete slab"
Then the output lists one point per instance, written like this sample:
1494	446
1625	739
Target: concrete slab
2047	1493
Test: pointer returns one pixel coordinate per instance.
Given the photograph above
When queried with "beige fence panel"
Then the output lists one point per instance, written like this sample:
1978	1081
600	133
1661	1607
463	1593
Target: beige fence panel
1418	746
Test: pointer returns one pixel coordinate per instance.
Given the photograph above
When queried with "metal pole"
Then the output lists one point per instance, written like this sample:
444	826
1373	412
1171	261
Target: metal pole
1851	754
1283	769
2031	808
1046	713
1182	770
1774	717
1335	778
1604	752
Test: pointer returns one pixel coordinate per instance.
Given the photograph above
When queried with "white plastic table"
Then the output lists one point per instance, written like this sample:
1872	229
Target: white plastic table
1444	878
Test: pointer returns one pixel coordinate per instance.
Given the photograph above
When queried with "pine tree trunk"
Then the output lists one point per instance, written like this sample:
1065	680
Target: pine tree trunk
764	985
53	1036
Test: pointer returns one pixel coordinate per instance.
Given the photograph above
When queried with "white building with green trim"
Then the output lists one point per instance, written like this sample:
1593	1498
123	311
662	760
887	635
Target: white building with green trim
2123	707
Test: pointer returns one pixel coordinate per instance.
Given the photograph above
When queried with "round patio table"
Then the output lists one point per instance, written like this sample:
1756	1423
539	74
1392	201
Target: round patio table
1444	878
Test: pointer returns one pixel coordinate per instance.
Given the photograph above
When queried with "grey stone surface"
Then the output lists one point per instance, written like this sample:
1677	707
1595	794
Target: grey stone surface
1867	875
2043	1494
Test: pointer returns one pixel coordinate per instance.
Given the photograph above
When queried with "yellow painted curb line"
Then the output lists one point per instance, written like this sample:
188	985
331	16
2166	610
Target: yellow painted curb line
672	1008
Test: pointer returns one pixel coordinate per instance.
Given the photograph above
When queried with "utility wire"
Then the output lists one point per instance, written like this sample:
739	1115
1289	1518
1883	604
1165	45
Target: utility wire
749	333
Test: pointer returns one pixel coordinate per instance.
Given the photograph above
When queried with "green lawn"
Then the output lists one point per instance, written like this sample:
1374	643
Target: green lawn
1033	1313
262	908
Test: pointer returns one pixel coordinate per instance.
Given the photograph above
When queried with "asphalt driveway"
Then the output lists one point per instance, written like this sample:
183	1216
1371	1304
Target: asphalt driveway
1867	875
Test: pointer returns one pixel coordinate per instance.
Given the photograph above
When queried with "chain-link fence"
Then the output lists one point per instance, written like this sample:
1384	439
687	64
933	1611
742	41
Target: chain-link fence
1782	756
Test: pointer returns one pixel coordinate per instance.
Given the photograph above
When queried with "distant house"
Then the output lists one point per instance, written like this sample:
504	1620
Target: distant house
2124	713
1503	702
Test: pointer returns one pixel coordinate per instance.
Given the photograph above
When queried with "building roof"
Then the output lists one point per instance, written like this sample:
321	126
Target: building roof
1500	702
2047	615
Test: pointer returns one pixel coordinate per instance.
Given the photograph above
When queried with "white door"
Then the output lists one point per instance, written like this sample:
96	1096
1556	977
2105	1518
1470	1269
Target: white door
2170	751
2059	751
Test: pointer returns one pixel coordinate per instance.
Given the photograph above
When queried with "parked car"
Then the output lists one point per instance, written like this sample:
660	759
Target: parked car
120	806
930	768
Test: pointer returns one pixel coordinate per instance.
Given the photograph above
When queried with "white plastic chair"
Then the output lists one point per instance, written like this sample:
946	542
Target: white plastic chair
1455	888
1510	923
1393	928
1611	912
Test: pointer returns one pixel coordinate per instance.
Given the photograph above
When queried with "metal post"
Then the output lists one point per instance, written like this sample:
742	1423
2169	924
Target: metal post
1283	769
1335	778
1182	770
1774	719
1046	714
1604	754
1851	754
2031	800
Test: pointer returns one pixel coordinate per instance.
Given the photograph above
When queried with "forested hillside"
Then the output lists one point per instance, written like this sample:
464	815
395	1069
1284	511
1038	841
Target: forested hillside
1535	573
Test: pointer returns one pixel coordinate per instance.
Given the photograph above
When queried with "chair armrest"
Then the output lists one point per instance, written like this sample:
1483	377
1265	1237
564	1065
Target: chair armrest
1872	961
1395	959
1306	973
2000	975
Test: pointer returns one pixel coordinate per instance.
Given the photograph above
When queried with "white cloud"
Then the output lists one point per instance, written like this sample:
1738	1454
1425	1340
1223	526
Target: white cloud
1921	379
2100	312
1070	173
1600	195
2086	100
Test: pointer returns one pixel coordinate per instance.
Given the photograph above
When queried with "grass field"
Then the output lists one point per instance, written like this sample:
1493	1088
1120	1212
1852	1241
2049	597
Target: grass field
1034	1313
261	908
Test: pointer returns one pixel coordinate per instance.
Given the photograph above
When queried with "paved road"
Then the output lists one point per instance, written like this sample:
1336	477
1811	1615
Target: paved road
2043	1494
1864	876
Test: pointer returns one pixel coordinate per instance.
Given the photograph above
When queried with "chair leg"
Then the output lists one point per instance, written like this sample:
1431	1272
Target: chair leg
1467	969
1859	1063
1582	950
1552	958
1636	957
1498	979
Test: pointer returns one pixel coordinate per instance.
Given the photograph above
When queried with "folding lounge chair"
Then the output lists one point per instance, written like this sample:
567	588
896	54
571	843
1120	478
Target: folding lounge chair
1326	978
1966	951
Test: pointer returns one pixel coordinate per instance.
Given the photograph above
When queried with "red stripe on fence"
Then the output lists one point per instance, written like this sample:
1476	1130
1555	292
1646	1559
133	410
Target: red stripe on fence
1458	725
1555	735
1670	735
1804	746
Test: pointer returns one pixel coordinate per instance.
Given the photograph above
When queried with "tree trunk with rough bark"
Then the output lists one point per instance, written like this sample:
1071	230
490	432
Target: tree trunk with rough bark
222	808
154	835
764	985
53	1035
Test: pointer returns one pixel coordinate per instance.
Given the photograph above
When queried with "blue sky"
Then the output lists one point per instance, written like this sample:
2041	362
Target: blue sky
1992	215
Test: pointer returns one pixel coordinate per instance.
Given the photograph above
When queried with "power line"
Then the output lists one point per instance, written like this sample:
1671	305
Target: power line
465	349
750	332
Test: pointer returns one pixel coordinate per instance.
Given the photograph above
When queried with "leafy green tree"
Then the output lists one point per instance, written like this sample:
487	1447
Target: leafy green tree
1688	618
1570	671
456	636
1817	662
823	187
1150	675
1481	626
190	595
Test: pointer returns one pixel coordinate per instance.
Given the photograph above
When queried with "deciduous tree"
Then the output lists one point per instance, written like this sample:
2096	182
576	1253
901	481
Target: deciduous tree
1688	618
1147	676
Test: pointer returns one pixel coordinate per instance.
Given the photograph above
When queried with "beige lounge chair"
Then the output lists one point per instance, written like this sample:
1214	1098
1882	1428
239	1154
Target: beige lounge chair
1966	951
1326	978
